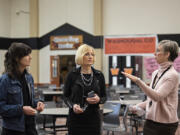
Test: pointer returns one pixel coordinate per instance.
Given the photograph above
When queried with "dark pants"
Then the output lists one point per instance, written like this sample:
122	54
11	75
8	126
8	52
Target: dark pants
30	128
155	128
29	131
11	132
30	125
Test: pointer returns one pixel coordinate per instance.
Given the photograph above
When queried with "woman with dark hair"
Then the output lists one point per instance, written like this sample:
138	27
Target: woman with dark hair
161	104
17	104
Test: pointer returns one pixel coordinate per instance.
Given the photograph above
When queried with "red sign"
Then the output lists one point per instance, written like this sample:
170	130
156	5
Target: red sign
130	45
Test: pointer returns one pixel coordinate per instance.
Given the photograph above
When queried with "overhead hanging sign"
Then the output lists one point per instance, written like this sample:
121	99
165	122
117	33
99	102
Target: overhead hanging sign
130	45
65	42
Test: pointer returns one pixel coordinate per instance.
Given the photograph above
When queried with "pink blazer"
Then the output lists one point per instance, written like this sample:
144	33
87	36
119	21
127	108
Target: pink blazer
164	96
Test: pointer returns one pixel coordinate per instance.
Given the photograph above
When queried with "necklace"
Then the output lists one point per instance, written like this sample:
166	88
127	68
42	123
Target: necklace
86	71
84	78
87	82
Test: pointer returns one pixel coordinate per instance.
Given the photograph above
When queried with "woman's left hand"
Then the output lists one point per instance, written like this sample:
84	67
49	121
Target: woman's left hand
131	77
40	106
93	100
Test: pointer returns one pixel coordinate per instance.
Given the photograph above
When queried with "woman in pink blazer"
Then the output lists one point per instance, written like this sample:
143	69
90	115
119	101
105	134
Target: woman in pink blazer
162	94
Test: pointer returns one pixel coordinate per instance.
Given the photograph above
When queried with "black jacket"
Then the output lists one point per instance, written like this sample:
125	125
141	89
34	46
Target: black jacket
75	92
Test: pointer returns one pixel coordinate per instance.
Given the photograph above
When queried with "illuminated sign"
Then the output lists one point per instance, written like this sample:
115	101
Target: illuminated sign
65	42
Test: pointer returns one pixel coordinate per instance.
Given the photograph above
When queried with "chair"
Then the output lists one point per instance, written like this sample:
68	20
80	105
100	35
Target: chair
111	94
136	122
45	121
39	94
111	121
125	115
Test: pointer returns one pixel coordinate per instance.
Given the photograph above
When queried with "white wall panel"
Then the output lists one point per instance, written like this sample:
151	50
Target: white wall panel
20	18
2	53
141	17
54	13
80	14
5	18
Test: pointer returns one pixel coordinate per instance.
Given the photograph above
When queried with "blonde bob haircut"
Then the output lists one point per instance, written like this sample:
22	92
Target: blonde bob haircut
81	51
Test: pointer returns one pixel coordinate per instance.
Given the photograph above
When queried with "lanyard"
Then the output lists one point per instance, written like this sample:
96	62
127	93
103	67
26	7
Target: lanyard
154	84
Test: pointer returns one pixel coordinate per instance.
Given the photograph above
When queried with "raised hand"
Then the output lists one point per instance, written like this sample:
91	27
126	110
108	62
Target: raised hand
131	77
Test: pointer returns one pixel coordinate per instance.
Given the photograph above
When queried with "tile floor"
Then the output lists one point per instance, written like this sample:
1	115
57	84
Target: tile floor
63	121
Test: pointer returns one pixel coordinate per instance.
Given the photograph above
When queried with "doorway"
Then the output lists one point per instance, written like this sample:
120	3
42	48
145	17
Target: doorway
60	65
67	63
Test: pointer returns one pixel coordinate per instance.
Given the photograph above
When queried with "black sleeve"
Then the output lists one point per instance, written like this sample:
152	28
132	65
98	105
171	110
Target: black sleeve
67	90
103	97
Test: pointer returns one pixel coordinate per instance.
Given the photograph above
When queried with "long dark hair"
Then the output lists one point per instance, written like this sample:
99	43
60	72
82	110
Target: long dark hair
15	52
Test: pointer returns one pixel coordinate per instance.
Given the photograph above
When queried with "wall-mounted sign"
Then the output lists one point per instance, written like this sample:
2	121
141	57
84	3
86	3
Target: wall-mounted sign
128	70
177	63
130	45
65	42
150	66
114	71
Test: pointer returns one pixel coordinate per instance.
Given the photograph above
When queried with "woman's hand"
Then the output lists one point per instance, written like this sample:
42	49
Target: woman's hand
40	106
77	109
131	77
93	100
133	109
28	110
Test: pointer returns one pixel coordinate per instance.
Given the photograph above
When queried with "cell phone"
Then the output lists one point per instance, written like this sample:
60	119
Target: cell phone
91	94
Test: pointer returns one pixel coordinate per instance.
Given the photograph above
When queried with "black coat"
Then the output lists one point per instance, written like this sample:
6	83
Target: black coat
74	89
75	92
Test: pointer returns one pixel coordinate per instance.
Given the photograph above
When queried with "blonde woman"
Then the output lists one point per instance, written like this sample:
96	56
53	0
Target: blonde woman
84	91
162	102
